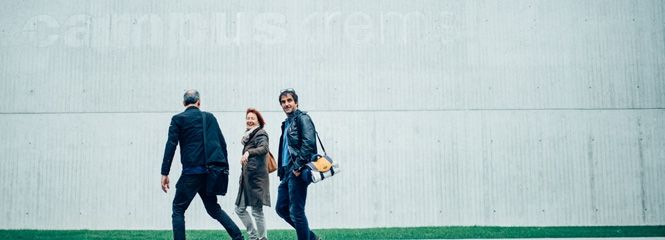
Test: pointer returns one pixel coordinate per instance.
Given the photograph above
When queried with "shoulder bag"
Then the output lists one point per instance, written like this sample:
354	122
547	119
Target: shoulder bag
217	179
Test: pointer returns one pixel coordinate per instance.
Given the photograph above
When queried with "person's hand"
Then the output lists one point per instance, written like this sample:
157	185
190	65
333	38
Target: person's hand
165	183
296	173
244	158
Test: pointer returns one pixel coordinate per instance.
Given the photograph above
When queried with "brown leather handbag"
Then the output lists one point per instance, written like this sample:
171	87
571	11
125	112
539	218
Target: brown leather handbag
271	165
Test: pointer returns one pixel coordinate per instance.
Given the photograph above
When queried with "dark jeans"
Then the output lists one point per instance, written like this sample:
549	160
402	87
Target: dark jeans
186	188
291	197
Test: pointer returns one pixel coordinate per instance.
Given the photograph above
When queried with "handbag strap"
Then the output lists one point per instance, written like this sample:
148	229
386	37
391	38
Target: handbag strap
205	154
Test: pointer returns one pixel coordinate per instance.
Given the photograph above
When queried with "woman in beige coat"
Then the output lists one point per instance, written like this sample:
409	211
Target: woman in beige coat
254	183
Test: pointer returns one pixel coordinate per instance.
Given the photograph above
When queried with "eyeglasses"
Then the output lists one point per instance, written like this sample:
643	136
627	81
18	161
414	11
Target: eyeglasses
287	90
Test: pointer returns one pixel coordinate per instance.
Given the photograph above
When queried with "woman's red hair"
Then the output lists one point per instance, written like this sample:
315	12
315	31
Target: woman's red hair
258	116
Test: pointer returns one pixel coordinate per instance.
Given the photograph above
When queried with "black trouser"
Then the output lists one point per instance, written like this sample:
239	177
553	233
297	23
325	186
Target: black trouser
186	188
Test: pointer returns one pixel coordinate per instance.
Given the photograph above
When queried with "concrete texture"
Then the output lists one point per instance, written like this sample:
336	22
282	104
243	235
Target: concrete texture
476	112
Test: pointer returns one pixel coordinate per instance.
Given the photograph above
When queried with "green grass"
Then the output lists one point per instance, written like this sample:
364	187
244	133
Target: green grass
371	233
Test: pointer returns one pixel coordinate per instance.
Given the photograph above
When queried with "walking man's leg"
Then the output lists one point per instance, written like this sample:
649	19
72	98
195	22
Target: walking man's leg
297	198
282	205
185	191
216	212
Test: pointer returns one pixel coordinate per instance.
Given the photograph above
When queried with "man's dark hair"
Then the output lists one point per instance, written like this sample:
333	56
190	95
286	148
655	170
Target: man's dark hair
289	91
191	97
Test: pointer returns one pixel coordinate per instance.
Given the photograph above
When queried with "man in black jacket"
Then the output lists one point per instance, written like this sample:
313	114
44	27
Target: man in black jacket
297	145
187	129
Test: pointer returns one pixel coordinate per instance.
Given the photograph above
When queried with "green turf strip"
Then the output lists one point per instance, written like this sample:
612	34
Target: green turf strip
370	233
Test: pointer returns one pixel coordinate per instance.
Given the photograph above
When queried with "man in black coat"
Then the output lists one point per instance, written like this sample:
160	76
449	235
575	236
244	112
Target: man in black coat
297	145
187	129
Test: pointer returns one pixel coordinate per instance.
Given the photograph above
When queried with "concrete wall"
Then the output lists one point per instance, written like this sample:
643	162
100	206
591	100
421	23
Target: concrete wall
440	112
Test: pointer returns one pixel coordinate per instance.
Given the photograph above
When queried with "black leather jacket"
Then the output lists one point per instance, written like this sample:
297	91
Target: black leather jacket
302	142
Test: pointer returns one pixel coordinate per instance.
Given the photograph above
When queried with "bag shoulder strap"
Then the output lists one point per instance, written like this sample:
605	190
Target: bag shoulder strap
319	138
205	153
315	132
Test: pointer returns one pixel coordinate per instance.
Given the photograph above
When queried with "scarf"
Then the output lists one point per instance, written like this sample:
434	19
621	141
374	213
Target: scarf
245	138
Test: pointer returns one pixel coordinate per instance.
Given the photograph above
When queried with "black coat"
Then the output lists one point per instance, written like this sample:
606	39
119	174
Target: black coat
302	142
187	130
254	181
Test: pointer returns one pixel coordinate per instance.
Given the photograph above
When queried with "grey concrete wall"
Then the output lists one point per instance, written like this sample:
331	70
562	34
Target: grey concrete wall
441	112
